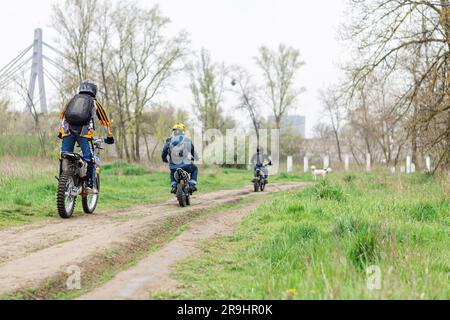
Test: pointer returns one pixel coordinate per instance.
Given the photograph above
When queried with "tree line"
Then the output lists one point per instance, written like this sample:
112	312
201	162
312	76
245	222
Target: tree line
130	52
392	99
394	95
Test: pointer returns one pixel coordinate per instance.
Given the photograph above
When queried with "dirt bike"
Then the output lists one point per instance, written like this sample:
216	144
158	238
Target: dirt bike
184	192
73	181
259	181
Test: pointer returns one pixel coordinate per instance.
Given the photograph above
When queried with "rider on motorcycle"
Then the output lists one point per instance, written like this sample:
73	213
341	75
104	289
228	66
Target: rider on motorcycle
258	160
179	152
77	125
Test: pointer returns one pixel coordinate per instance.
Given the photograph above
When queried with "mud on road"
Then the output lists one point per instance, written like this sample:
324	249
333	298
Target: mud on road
38	255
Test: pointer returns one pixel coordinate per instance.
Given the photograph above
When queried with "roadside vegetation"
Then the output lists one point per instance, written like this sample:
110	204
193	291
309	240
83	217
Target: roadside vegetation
319	242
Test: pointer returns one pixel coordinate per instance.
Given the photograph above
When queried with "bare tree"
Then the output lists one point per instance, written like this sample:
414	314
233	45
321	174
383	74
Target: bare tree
128	50
333	108
74	21
280	69
387	33
248	92
39	129
208	87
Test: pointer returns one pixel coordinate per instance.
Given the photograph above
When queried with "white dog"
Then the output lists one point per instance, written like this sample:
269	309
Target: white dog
323	172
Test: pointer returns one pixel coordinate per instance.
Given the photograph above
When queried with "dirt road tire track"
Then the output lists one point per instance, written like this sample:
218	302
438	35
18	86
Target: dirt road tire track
35	255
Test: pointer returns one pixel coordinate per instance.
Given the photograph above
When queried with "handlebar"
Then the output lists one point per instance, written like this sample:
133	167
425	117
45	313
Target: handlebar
98	143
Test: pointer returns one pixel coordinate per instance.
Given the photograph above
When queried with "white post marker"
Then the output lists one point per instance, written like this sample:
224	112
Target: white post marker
428	164
305	164
326	162
368	163
290	164
408	164
347	163
413	168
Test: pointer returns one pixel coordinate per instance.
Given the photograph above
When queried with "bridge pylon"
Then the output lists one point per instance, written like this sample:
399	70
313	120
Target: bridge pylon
37	73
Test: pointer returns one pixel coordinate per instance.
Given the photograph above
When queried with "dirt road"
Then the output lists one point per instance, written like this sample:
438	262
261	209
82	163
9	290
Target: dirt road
32	255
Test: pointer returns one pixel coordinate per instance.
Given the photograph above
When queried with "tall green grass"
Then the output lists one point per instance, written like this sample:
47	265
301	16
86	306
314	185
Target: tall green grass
19	146
22	146
28	190
318	244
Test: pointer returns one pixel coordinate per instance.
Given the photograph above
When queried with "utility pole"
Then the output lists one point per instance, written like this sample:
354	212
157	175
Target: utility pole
37	73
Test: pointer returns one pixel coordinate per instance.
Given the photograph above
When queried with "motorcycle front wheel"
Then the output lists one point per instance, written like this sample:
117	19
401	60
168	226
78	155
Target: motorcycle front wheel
263	186
65	200
256	186
90	201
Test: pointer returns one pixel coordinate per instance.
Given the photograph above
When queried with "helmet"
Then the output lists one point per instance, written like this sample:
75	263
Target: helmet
89	88
179	127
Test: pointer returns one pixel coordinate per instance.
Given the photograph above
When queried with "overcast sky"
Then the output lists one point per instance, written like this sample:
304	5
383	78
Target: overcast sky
231	29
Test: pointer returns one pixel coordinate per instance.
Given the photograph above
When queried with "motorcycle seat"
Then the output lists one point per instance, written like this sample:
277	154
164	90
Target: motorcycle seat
71	156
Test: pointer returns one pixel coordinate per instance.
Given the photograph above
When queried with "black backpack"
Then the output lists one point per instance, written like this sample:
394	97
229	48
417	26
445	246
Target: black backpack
80	110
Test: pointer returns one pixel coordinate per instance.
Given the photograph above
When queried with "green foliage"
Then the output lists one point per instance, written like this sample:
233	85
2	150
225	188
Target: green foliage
364	250
423	212
314	244
327	191
349	178
125	169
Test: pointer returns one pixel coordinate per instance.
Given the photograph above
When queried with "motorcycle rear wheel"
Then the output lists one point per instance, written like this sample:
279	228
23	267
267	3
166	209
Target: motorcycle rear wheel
181	195
188	200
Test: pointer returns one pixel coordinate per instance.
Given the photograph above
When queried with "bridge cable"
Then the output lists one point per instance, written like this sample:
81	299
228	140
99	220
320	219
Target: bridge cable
11	75
14	61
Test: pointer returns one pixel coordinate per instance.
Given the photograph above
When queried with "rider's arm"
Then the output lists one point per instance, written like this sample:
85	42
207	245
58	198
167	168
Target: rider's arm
165	153
62	118
103	117
195	156
62	115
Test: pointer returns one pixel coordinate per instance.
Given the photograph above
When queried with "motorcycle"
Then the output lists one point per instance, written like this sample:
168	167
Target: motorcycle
73	181
259	181
184	192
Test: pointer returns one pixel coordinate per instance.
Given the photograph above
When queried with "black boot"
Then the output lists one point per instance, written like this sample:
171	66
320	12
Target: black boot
90	179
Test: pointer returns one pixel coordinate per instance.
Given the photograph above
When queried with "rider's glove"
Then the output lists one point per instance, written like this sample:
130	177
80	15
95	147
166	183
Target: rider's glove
110	140
270	163
60	136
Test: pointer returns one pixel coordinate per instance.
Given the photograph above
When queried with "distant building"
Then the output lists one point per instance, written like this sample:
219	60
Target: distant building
294	123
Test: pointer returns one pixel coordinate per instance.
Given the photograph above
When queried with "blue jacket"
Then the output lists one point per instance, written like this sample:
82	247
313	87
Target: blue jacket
179	152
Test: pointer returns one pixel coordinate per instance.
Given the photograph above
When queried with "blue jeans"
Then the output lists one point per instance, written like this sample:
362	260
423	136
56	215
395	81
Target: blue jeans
68	146
190	168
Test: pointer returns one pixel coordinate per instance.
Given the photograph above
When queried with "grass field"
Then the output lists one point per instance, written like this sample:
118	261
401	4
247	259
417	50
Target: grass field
318	244
22	146
311	244
28	187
